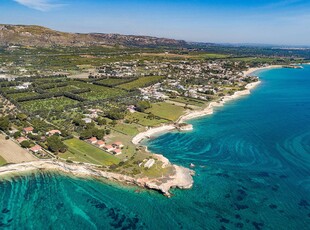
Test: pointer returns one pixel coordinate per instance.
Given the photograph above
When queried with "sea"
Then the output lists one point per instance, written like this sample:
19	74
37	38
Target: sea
252	164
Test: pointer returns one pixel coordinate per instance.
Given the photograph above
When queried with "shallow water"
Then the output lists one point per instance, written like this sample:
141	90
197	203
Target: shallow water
252	160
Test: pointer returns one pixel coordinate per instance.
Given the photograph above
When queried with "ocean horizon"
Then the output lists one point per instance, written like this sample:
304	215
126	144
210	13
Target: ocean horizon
252	163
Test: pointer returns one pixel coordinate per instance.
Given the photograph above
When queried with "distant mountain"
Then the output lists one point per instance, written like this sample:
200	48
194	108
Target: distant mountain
31	35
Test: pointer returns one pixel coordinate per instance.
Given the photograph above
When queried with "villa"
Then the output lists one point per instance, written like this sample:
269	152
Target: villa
35	148
21	139
109	148
28	130
117	151
53	132
92	140
100	143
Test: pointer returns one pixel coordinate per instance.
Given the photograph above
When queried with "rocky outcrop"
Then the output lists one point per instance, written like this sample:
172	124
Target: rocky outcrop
182	178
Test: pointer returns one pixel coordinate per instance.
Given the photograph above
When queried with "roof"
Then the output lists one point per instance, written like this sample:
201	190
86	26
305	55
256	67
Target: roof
109	147
36	148
54	131
21	139
117	150
100	142
28	129
92	139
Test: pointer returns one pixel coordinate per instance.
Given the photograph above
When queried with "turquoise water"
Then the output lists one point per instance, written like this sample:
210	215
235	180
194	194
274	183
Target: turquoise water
252	160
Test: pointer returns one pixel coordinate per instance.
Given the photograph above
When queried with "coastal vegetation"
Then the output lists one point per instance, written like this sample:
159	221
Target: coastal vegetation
86	105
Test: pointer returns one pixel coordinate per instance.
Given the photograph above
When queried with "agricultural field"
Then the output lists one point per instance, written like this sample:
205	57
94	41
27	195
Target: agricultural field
67	88
163	110
83	152
113	81
128	129
213	56
190	101
98	92
47	104
141	82
22	95
142	119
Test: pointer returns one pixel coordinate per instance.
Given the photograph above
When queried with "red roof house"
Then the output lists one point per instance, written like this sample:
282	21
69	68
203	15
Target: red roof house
100	143
36	148
28	130
21	139
92	140
109	148
52	132
117	151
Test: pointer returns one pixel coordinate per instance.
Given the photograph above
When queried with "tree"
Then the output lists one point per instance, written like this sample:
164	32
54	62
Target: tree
101	121
99	133
141	106
4	123
25	144
115	114
21	116
55	145
17	134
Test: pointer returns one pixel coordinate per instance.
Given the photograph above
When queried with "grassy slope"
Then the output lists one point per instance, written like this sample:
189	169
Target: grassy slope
84	152
164	109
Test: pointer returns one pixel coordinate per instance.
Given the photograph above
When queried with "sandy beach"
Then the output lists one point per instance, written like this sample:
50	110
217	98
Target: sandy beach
150	132
252	70
194	114
206	111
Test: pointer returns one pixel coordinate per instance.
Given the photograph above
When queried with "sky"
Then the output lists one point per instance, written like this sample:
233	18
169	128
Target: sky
282	22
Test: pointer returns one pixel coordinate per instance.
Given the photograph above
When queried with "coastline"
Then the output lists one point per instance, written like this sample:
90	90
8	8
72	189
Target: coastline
252	70
203	112
181	179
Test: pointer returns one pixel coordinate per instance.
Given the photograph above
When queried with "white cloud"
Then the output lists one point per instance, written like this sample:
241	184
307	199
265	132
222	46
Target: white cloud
42	5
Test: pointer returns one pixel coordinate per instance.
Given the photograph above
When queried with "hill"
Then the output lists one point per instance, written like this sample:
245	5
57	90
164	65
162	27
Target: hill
32	35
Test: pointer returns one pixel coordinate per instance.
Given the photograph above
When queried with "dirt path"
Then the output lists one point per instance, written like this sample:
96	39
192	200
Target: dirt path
13	153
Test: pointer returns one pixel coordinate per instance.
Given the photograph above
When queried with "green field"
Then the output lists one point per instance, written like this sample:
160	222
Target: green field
142	119
2	161
48	104
128	129
166	110
22	95
63	89
213	56
98	92
83	152
190	101
113	81
141	82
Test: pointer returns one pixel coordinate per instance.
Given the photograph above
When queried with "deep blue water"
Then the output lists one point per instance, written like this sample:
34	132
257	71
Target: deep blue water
252	160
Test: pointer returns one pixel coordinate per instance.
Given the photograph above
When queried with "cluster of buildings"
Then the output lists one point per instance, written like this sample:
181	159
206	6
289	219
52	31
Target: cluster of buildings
196	79
36	148
115	148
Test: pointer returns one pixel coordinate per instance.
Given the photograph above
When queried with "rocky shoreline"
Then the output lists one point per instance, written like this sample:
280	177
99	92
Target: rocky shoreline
182	178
